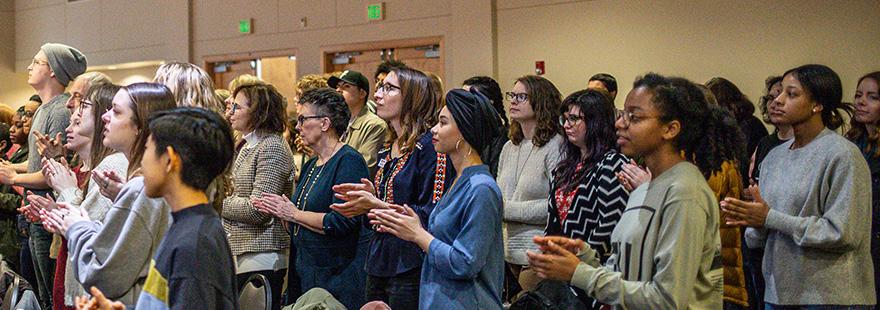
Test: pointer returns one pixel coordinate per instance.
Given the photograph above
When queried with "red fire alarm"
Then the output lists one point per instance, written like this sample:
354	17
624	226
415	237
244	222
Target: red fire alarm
539	67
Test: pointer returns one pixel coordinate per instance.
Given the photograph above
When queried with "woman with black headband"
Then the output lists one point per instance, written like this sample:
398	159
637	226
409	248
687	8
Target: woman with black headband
464	264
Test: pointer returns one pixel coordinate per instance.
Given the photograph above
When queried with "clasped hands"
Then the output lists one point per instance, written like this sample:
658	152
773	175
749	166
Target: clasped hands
745	213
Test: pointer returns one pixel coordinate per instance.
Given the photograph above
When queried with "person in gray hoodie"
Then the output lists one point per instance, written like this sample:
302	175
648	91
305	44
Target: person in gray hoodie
812	213
666	248
114	255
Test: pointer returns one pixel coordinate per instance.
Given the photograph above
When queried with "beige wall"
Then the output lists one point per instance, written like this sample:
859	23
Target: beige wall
465	26
134	75
744	40
13	85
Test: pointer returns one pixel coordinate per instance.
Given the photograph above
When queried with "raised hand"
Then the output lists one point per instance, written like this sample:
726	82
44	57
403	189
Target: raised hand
109	183
49	147
743	213
631	176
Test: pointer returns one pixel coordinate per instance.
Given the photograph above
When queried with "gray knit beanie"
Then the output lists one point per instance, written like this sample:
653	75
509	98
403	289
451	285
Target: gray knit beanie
67	62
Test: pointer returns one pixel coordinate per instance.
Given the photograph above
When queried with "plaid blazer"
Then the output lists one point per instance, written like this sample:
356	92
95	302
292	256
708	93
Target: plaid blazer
264	168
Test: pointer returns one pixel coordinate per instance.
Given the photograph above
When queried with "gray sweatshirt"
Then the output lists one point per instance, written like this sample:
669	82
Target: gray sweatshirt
816	236
114	256
666	248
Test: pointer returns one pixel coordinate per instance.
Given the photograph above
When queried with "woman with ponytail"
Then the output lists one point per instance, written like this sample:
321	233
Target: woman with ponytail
815	216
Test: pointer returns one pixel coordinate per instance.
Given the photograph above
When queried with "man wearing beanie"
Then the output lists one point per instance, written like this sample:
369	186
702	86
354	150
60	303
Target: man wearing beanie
366	131
54	66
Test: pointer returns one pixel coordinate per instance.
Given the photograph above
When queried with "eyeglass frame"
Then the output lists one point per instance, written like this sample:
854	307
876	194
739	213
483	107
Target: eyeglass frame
40	62
300	119
574	120
83	102
516	97
627	118
384	87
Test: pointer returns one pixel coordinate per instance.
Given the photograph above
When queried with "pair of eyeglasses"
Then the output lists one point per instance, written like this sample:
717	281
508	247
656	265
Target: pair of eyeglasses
571	119
38	62
387	87
302	118
630	117
83	103
517	97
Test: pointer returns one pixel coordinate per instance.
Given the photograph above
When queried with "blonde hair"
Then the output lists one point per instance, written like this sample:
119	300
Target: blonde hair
310	81
94	78
190	85
244	80
6	114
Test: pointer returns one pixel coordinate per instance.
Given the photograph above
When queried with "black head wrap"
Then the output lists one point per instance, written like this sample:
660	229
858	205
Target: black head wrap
475	117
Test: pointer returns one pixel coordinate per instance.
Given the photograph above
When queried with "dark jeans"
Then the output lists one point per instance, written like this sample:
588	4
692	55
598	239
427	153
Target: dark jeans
26	263
44	267
276	280
400	292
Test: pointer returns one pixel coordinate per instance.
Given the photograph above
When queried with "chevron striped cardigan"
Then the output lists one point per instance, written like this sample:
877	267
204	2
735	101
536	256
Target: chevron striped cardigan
595	208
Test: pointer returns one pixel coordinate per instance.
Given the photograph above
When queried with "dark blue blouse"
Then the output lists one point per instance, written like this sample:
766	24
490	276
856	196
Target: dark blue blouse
414	185
333	260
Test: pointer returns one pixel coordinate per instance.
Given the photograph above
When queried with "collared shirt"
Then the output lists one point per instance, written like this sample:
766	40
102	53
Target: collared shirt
366	133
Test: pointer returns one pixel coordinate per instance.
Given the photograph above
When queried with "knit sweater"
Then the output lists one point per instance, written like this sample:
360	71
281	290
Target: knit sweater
114	255
265	165
524	173
816	236
97	206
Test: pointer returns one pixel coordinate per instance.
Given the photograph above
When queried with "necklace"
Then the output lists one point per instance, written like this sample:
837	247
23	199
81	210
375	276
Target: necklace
522	167
304	195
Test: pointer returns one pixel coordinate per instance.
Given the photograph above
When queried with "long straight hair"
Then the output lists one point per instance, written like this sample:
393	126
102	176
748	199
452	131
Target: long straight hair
146	99
101	97
419	109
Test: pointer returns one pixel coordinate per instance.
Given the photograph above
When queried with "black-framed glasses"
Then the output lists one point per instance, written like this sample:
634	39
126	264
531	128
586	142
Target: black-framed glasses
517	97
302	118
387	87
570	119
83	103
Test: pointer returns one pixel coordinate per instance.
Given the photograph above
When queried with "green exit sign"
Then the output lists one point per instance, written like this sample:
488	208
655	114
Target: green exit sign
376	11
244	26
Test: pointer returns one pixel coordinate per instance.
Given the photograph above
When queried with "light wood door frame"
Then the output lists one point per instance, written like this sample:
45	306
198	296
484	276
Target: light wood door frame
208	61
329	50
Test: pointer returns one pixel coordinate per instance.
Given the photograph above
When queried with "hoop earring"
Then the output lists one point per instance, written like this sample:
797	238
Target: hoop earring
457	144
470	149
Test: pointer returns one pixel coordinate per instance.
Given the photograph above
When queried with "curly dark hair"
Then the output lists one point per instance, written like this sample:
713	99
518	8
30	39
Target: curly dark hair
546	101
598	114
731	98
824	87
859	131
709	136
766	99
330	103
490	88
267	107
